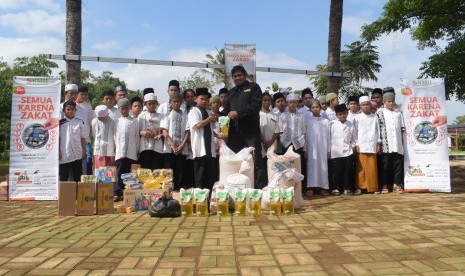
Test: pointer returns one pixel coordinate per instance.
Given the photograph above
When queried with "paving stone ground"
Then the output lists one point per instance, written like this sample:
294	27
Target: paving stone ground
414	234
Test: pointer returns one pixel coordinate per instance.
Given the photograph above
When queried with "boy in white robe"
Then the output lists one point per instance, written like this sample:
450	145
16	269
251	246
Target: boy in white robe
318	148
103	130
127	143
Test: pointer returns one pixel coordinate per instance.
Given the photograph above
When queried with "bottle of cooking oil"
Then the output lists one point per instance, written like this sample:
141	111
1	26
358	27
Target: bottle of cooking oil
255	196
222	201
275	202
201	201
288	201
187	207
240	200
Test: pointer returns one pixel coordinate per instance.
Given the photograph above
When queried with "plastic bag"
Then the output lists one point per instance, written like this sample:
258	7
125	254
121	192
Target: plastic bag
165	207
230	163
224	125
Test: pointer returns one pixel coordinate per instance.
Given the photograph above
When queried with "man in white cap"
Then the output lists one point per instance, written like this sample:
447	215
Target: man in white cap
331	101
103	130
368	145
151	143
120	93
322	100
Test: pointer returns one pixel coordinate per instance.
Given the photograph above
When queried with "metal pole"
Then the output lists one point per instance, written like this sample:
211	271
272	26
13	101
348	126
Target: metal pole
456	144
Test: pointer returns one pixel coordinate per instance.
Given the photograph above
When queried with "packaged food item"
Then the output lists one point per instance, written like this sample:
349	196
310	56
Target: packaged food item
224	125
89	179
240	201
275	201
143	174
201	201
134	186
222	201
106	174
255	196
288	201
187	207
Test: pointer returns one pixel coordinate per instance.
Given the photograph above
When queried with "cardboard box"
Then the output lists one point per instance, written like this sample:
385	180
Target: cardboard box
104	198
124	209
85	199
141	199
4	190
106	174
67	198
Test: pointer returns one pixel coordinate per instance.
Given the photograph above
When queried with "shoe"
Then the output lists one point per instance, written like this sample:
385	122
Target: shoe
309	192
358	192
385	190
324	192
335	193
347	192
117	198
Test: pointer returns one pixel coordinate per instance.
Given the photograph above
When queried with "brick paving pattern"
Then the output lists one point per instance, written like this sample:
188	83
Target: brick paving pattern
414	234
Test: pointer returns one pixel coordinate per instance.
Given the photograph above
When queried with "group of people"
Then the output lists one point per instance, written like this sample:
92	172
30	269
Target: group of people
344	149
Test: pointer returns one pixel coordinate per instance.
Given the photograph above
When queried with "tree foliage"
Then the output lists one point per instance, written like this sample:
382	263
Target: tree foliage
360	58
429	22
460	120
218	75
196	80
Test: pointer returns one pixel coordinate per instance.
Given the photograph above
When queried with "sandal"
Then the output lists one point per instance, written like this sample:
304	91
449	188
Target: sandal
309	193
324	193
398	190
385	190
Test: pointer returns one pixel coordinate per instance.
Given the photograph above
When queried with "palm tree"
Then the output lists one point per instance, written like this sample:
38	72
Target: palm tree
334	43
218	74
73	39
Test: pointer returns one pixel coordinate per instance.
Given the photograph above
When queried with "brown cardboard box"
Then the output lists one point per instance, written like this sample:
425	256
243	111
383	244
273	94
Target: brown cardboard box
66	198
124	209
104	198
85	199
4	190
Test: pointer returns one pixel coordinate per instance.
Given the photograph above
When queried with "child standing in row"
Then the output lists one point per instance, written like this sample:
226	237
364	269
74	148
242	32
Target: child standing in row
202	140
343	138
176	133
127	143
367	146
391	127
103	130
318	147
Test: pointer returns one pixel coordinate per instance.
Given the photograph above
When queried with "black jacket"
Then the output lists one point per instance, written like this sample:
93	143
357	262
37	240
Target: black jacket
246	100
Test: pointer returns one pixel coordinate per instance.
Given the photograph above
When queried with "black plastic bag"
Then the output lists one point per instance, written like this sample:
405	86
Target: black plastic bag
165	207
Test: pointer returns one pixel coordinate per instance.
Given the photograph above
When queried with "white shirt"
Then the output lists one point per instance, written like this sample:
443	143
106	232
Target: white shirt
164	108
331	114
80	114
197	138
281	116
89	114
367	128
294	130
322	114
104	137
126	138
268	127
394	124
71	133
114	113
351	116
304	110
343	138
168	123
150	121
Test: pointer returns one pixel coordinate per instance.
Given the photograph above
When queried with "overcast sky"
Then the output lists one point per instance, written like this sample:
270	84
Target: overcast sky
287	34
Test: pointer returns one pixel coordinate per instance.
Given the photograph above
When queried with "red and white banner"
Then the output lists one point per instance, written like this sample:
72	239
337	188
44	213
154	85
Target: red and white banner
35	113
426	159
245	54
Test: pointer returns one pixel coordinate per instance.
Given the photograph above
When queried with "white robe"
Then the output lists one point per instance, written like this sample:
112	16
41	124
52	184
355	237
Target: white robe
318	146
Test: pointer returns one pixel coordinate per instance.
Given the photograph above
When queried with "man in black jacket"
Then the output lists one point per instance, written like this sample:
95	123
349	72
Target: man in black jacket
243	107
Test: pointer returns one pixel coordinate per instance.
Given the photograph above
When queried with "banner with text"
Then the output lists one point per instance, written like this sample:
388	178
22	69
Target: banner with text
426	163
235	54
34	138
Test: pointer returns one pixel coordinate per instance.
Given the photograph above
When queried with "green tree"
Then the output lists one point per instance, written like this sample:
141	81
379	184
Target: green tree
218	75
361	60
429	22
460	120
196	80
